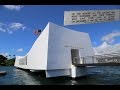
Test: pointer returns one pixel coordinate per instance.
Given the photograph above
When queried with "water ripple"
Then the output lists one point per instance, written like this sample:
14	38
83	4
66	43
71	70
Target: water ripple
96	76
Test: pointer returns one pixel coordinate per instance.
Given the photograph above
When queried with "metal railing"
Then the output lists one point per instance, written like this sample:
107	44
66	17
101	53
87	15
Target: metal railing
96	59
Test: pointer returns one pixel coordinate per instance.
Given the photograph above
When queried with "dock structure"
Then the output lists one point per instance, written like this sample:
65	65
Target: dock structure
112	59
59	51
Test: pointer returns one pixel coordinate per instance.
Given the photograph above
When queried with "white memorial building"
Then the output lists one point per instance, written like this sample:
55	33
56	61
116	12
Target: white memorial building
55	50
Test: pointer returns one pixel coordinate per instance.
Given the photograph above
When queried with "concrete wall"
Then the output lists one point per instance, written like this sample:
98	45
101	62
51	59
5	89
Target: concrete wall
17	62
78	71
59	56
37	56
56	73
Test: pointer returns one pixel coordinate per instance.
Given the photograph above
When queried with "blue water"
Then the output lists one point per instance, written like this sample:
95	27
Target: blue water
107	75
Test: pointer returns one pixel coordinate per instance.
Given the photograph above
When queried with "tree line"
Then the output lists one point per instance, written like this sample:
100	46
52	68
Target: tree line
5	61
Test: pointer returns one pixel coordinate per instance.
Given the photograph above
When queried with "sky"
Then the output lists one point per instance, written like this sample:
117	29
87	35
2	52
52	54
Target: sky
17	23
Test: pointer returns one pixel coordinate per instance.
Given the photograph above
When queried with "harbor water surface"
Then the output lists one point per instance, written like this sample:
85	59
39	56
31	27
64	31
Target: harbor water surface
107	75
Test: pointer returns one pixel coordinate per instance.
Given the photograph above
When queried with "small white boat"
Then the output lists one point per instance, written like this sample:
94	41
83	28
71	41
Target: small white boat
2	73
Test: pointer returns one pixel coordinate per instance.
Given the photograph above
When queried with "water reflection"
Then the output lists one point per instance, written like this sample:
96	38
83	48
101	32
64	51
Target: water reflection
97	76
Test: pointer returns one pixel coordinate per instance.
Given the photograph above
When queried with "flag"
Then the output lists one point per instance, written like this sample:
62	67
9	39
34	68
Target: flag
37	32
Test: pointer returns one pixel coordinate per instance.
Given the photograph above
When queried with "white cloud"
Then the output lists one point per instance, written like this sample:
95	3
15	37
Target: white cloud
13	7
12	27
20	50
110	38
2	24
106	48
2	29
15	26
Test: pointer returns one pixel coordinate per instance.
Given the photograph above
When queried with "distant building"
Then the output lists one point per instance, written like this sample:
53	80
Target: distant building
56	50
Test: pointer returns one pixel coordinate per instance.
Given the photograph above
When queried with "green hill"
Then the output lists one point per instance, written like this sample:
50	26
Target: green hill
6	62
10	62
